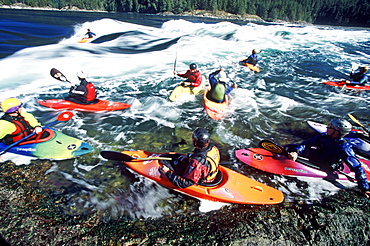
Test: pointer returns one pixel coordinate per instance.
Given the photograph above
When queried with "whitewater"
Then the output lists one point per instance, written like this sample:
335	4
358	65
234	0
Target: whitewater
134	63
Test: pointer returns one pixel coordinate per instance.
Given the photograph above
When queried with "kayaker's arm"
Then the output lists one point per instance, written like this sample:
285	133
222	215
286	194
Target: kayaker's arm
175	179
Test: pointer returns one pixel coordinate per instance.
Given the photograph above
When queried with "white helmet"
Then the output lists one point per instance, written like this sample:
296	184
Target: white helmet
81	75
222	77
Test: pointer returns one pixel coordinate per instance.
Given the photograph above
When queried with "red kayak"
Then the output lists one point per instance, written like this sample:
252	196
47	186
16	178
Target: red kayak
279	164
102	105
343	84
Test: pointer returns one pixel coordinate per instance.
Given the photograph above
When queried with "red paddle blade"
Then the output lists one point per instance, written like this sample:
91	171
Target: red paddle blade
65	116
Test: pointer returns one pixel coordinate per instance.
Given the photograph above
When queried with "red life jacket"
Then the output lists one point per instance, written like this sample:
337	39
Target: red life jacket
23	128
91	92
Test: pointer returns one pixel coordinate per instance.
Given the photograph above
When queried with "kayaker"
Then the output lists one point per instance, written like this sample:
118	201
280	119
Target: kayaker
193	76
253	58
329	150
220	86
85	93
359	78
201	166
89	34
16	123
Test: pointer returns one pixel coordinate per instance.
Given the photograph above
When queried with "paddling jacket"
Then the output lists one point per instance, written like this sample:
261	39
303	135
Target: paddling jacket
85	92
90	34
14	128
195	78
217	93
202	168
252	59
358	78
324	150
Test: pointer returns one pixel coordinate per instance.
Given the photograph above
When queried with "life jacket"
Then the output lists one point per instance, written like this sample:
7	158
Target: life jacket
23	128
91	92
218	92
213	158
357	77
193	76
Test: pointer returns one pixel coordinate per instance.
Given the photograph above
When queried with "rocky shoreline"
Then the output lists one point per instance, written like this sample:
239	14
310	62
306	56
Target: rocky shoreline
32	214
195	13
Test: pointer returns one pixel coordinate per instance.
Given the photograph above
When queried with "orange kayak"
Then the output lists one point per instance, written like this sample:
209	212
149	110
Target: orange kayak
233	187
102	105
213	109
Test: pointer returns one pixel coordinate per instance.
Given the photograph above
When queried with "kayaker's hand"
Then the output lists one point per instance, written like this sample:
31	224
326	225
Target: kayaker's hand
235	86
293	156
163	169
37	129
175	72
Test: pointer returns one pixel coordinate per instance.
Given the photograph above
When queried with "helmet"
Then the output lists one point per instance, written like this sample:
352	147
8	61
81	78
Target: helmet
193	66
364	69
222	76
341	125
255	51
10	105
201	138
81	75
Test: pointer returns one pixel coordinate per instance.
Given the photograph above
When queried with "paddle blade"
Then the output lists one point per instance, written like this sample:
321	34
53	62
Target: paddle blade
115	156
56	74
65	116
355	120
273	148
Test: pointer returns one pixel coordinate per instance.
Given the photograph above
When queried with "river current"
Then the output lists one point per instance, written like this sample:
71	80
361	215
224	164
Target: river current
132	60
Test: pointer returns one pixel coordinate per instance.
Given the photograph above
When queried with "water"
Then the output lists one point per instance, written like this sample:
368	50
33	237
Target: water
132	61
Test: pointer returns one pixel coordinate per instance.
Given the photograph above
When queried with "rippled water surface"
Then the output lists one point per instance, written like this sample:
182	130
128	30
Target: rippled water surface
132	60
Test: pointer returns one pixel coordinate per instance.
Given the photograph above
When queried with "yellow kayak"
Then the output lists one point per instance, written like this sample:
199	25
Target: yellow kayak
181	93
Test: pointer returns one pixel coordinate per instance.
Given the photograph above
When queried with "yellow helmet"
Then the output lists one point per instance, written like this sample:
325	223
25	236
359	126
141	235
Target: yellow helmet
10	105
255	51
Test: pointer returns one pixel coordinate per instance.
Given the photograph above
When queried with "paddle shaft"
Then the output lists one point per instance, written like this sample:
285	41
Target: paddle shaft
118	156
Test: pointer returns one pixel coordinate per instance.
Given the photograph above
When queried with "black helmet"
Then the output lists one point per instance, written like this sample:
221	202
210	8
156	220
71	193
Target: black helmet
341	125
193	66
201	138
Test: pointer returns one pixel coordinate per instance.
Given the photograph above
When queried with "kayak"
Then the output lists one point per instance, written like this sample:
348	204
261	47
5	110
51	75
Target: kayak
56	145
279	164
254	68
343	84
213	109
232	187
183	92
84	40
102	105
360	146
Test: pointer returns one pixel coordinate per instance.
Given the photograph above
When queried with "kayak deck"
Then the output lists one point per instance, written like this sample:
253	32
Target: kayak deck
101	105
264	160
181	93
56	145
234	187
214	110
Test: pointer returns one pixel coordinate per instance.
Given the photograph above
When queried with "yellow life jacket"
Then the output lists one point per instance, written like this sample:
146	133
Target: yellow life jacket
213	157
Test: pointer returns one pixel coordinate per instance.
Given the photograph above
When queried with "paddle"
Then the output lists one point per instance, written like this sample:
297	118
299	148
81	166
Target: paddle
118	156
56	74
174	65
358	123
276	149
61	117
